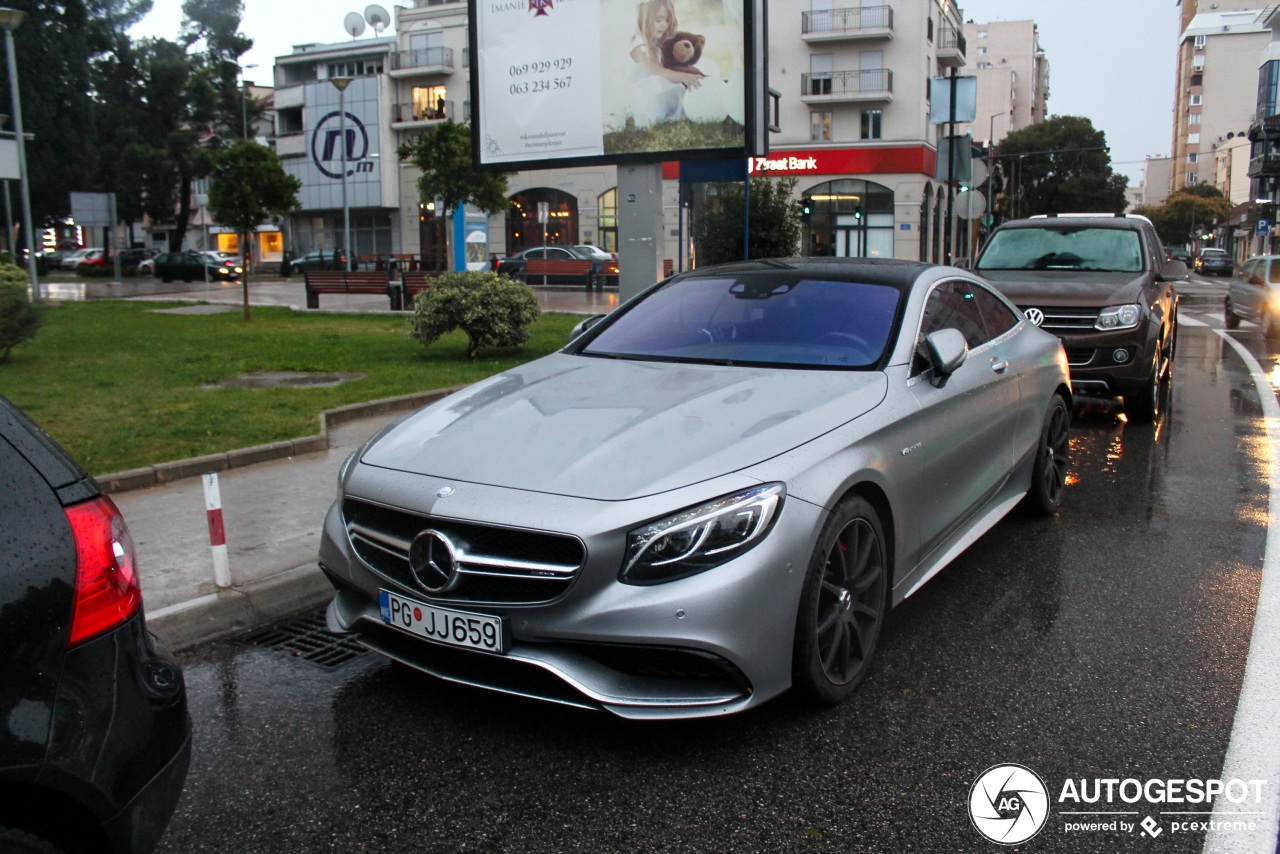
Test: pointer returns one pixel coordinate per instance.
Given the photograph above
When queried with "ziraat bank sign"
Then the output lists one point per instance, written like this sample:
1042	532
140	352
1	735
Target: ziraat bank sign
906	159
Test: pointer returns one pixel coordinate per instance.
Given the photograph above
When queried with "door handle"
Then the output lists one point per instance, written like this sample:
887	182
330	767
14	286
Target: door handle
999	365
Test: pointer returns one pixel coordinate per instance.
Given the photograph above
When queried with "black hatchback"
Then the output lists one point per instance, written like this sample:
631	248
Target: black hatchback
96	737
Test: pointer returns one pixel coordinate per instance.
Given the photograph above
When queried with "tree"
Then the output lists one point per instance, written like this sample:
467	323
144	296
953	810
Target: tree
249	186
1057	166
448	171
20	317
493	310
1187	213
775	221
57	49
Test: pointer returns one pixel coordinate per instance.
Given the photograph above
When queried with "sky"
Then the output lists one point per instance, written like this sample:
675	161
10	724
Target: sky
1111	61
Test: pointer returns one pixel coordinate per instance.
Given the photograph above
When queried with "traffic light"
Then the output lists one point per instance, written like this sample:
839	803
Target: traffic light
857	212
806	208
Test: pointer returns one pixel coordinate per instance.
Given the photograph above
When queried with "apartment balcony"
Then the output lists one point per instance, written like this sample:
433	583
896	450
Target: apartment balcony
1265	166
829	25
836	87
427	61
418	116
291	144
951	47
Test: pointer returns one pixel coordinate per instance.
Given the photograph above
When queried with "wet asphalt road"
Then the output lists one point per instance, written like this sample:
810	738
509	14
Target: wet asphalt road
1107	642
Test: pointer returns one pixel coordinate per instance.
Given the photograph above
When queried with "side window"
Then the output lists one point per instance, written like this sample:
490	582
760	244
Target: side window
537	253
952	305
998	316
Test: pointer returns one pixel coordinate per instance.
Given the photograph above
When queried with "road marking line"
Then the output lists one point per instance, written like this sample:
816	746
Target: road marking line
1254	751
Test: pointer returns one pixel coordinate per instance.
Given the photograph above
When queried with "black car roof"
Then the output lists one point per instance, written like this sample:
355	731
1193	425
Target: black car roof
55	465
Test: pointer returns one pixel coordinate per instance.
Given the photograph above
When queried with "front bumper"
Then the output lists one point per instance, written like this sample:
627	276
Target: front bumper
1095	368
710	644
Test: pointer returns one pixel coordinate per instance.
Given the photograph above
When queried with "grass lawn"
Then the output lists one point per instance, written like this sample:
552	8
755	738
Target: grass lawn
122	386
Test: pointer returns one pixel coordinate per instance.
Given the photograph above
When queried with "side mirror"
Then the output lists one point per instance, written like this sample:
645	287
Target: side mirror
962	263
946	351
1173	269
586	324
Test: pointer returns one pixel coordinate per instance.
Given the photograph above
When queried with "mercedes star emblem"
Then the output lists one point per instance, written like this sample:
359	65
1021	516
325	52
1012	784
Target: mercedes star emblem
434	562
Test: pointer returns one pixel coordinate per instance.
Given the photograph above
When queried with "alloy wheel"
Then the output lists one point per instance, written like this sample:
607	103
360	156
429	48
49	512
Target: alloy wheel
850	602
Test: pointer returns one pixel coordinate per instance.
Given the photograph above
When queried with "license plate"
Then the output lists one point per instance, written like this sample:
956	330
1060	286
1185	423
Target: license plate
442	625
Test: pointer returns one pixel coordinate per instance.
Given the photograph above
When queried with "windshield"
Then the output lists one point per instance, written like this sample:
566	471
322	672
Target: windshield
756	318
1064	248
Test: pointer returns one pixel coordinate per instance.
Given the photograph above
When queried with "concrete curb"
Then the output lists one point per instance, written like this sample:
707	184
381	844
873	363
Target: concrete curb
240	608
140	478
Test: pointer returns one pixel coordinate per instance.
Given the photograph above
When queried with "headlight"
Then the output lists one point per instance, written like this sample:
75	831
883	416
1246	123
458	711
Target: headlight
346	467
702	537
1118	317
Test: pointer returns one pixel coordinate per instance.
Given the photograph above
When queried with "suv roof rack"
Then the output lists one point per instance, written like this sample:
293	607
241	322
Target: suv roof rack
1092	215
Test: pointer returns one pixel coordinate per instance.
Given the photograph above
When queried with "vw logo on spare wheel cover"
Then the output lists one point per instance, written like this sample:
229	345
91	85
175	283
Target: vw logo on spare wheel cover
1035	315
327	138
434	561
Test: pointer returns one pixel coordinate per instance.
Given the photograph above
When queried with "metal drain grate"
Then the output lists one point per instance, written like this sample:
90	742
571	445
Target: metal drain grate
307	639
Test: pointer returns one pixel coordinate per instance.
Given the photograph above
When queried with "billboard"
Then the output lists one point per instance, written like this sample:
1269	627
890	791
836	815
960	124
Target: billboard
560	82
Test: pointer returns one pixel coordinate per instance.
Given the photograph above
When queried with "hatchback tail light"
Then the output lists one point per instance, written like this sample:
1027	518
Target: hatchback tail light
107	589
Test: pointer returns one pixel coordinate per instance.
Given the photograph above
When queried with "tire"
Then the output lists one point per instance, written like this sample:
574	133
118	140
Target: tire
1143	405
1049	473
842	606
1270	329
1231	319
20	842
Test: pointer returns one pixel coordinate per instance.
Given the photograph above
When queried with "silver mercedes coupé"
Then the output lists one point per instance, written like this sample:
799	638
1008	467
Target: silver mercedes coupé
711	495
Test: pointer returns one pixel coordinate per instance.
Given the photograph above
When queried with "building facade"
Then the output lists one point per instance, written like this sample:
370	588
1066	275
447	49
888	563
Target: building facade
853	118
1013	77
1217	64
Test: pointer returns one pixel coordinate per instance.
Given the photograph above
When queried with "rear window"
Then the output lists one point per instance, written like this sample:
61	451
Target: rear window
1064	248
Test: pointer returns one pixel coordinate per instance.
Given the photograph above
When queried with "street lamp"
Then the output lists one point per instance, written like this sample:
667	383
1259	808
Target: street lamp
244	97
341	84
10	19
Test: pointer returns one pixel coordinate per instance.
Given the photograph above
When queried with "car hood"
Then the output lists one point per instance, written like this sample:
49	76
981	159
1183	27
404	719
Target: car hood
1067	287
612	430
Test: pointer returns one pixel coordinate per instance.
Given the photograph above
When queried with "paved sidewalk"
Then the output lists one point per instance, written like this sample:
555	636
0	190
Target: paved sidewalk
273	511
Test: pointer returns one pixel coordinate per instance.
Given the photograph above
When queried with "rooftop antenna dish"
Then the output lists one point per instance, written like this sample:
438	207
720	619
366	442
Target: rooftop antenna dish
377	17
353	24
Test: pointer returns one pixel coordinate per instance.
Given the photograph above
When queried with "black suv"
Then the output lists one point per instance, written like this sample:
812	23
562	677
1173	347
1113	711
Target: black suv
96	738
1103	284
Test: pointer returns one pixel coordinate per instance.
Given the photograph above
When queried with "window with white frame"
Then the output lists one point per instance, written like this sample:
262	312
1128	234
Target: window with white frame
1193	157
820	126
1200	42
1193	119
1197	100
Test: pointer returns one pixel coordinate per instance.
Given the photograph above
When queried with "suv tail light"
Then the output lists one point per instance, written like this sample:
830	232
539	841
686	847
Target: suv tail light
107	589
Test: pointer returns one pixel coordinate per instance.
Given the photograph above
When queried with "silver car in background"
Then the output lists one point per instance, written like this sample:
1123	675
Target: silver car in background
710	496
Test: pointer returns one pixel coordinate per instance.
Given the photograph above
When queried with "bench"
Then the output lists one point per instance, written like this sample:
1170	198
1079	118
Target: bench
339	282
413	284
536	268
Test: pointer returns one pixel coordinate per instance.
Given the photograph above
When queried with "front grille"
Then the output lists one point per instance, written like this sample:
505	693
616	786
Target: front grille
495	565
1066	319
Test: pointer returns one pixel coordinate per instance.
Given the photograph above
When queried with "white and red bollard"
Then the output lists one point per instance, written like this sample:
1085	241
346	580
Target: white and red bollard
217	532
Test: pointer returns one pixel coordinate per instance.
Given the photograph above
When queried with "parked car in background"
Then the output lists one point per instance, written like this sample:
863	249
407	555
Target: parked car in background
98	258
72	260
1254	295
596	252
134	257
227	259
1178	253
584	267
319	259
147	266
1103	285
1213	262
97	737
193	266
757	446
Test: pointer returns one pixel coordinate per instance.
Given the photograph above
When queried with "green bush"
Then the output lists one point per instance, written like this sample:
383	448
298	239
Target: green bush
493	310
19	317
